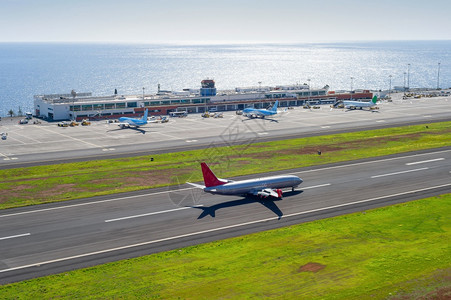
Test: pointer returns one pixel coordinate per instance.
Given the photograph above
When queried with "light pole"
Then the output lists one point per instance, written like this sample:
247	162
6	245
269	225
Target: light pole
405	83
309	91
143	94
352	79
389	89
408	77
438	77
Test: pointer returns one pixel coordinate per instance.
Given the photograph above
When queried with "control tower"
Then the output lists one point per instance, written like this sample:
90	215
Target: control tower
208	88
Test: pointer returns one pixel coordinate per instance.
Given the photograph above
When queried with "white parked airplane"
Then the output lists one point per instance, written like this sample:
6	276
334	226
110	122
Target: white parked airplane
360	104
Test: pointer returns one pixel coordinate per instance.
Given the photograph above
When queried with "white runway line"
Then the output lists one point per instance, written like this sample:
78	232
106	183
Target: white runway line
216	229
369	162
397	173
316	186
424	161
148	214
69	137
95	202
14	236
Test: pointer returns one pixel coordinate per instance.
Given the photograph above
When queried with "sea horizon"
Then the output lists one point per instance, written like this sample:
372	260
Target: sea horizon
33	68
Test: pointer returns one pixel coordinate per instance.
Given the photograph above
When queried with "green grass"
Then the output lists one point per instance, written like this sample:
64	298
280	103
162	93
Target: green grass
35	185
397	250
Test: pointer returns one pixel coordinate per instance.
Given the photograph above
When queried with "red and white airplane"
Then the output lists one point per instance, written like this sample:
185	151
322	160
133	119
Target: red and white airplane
263	187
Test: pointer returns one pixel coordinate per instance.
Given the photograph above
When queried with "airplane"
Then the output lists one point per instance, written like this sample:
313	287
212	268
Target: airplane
262	187
127	122
255	113
360	104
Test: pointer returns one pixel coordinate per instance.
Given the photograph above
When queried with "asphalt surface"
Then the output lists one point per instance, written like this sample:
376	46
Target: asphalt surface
47	239
38	144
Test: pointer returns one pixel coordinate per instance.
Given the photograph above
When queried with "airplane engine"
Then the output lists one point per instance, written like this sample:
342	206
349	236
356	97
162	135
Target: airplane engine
279	193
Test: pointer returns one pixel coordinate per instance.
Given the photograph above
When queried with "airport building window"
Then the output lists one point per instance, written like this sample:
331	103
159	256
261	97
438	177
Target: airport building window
86	107
109	106
175	101
185	101
75	108
120	105
198	100
132	104
97	106
154	103
166	102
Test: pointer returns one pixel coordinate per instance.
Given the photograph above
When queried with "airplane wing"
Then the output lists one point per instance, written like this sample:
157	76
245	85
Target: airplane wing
265	193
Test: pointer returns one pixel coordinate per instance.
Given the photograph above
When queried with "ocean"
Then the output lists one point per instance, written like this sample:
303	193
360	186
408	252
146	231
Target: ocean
28	69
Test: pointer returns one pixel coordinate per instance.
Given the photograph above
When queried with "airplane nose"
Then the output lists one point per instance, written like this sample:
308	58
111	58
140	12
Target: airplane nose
298	181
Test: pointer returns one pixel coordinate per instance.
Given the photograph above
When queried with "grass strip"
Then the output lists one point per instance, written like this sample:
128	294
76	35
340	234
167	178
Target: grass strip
401	250
59	182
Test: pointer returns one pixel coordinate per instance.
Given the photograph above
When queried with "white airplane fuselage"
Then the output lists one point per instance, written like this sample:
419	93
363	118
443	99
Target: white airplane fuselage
252	186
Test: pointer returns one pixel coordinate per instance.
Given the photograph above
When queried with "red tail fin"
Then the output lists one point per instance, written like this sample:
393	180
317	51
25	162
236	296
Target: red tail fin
209	177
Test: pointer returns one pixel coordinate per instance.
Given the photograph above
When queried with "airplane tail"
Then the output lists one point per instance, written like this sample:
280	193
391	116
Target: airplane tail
144	118
210	178
374	100
274	107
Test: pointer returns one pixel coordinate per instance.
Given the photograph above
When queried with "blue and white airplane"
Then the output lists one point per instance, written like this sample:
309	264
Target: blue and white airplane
261	187
127	122
360	104
260	113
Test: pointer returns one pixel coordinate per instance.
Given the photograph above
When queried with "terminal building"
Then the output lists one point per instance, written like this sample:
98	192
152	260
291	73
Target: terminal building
56	107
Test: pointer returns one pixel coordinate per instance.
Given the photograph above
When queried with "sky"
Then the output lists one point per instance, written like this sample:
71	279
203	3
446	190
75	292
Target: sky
221	21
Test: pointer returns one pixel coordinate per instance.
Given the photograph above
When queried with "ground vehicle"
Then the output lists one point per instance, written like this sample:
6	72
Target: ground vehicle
4	135
85	122
73	123
63	124
180	114
23	121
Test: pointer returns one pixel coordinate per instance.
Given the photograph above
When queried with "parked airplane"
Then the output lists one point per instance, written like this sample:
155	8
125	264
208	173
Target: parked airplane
262	187
127	122
360	104
255	113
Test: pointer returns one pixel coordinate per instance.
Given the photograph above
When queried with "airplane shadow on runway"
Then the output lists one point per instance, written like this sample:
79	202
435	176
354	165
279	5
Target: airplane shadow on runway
372	110
264	119
268	203
132	128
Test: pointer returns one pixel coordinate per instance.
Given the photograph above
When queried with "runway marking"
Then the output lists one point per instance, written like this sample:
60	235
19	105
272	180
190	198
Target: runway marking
217	229
14	236
424	161
90	203
67	136
34	141
316	186
369	162
170	136
397	173
148	214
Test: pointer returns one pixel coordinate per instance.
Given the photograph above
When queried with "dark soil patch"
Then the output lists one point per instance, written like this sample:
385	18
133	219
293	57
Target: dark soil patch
311	267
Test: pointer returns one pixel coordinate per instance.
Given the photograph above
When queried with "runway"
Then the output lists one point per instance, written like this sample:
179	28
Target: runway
47	239
29	144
